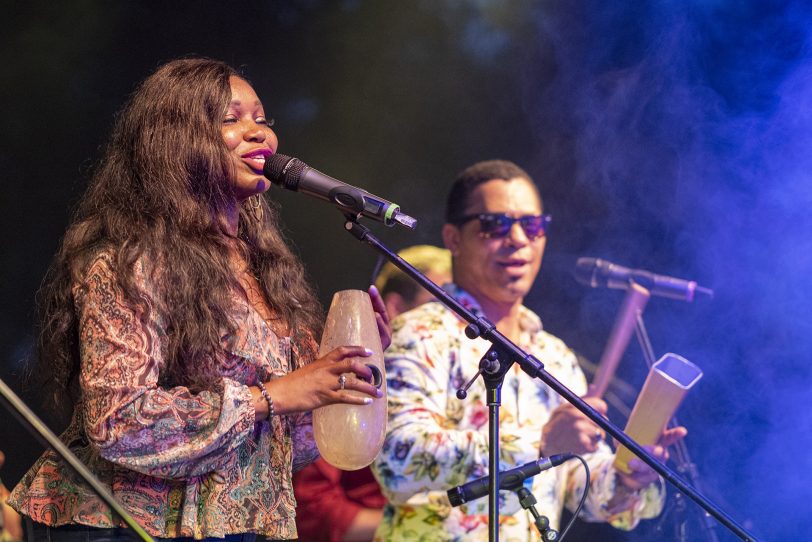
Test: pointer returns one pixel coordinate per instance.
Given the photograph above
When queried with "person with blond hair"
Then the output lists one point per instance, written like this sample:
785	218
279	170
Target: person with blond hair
399	291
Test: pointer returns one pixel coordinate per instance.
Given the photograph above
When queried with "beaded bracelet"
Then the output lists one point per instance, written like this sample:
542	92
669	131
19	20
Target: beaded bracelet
267	397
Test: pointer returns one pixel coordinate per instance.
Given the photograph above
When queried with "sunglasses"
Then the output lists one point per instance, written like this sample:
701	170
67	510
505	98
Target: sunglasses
498	225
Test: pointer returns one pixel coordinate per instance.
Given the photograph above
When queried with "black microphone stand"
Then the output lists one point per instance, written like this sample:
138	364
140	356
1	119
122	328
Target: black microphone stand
36	427
493	373
507	354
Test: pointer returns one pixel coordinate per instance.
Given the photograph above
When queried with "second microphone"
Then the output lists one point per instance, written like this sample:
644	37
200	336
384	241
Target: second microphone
508	480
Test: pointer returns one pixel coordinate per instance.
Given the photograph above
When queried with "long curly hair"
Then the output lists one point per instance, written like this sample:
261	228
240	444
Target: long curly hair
160	192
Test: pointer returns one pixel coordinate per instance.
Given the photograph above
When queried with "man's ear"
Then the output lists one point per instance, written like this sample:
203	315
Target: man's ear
451	238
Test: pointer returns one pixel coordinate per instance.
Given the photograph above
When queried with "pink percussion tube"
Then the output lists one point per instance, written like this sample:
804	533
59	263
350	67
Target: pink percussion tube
633	304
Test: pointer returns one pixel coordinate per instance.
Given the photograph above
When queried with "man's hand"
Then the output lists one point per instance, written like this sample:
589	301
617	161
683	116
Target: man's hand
570	431
643	475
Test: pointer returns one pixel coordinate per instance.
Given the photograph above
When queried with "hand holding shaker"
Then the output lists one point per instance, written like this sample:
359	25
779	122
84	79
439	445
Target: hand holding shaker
667	383
349	437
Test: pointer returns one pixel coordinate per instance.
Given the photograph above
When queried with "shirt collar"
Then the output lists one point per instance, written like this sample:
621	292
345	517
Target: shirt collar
529	322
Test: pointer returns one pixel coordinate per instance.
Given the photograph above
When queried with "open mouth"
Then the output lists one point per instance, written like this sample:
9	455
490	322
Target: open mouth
256	158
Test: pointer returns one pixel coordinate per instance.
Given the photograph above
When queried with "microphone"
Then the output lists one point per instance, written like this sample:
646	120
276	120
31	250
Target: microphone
293	174
602	274
508	480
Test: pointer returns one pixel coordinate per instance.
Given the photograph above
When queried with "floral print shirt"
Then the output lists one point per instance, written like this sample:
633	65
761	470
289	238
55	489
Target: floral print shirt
183	464
435	441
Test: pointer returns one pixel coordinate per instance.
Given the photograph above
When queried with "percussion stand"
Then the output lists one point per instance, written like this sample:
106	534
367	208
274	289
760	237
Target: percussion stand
682	458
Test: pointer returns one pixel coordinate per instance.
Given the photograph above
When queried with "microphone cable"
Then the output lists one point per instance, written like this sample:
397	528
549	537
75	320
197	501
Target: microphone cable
583	497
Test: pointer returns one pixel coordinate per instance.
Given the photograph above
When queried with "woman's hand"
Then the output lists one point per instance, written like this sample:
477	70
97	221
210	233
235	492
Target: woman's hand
381	317
317	384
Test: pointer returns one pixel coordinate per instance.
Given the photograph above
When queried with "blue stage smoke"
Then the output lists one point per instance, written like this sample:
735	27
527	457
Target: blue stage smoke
691	123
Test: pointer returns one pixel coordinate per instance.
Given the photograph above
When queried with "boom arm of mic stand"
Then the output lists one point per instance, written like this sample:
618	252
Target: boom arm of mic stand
32	422
535	368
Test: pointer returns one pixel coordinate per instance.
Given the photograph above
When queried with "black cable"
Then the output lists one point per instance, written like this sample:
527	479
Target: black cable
583	498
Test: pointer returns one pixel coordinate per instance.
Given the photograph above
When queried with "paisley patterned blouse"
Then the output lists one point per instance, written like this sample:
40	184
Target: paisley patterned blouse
183	464
435	441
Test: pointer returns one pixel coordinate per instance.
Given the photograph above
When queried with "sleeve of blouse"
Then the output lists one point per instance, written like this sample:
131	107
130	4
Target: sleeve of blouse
423	450
303	443
305	451
133	422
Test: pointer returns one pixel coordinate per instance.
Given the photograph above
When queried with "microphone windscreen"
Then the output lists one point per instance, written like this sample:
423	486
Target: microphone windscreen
586	271
284	170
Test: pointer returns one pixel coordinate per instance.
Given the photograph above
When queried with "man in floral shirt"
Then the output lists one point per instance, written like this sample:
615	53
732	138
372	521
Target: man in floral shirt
495	230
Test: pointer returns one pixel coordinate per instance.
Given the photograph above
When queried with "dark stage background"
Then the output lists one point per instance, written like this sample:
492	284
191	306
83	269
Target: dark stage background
669	135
